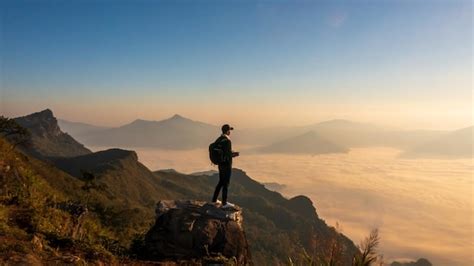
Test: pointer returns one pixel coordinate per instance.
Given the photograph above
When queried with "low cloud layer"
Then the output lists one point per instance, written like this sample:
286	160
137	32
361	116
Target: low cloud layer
423	208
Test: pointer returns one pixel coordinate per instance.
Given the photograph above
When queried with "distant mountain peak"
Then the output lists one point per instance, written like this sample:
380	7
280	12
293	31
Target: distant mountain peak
177	116
138	120
179	119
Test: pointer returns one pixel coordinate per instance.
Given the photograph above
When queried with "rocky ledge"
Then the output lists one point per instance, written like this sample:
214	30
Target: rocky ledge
198	231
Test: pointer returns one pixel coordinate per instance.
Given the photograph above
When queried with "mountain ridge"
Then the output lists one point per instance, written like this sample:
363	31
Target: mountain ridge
182	133
47	139
176	132
452	145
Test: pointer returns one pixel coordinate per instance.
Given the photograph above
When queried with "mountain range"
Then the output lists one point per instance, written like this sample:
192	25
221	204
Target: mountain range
176	132
181	133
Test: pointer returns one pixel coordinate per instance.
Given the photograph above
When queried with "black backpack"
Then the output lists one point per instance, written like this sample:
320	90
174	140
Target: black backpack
216	153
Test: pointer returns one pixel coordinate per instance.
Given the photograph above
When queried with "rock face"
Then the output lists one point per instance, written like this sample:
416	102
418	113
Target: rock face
47	139
186	230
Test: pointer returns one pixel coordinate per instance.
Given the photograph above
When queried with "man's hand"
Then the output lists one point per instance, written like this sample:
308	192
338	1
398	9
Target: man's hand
235	154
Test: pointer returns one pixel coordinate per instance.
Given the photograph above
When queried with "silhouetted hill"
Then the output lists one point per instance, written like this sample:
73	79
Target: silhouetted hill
354	134
347	133
303	206
455	144
176	132
47	138
125	177
342	132
308	143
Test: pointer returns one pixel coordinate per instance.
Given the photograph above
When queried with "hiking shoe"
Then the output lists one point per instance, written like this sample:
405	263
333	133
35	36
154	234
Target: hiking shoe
217	202
228	205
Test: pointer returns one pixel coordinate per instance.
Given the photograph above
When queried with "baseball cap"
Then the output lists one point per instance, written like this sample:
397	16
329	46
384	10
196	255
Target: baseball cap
226	128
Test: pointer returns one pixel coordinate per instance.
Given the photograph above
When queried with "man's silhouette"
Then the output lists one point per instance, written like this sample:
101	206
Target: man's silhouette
225	167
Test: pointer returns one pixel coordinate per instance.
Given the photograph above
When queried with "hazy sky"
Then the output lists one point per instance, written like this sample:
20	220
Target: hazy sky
253	63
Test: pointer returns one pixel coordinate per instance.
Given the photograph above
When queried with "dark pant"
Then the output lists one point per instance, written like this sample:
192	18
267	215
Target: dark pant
225	171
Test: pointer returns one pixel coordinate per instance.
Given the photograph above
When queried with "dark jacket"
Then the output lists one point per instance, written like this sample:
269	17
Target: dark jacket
226	146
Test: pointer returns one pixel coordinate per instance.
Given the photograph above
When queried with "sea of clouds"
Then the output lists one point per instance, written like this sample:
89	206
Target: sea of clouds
422	208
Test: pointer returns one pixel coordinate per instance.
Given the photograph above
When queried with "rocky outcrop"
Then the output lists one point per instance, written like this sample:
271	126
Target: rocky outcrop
196	230
47	139
42	124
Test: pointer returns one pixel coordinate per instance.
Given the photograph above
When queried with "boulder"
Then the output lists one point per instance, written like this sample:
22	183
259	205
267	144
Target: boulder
197	230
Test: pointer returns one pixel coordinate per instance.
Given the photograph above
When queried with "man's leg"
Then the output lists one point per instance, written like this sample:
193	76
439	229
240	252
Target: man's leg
227	171
219	184
216	192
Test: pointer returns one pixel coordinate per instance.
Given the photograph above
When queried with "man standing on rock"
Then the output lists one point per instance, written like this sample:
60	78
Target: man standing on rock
225	166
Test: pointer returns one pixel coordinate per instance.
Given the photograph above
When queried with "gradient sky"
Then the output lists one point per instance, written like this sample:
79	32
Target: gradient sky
253	63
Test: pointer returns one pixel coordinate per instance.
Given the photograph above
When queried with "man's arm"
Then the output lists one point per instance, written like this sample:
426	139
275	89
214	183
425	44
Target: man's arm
232	153
227	148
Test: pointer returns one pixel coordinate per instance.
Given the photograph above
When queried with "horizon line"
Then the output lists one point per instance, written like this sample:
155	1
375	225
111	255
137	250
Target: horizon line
177	115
